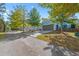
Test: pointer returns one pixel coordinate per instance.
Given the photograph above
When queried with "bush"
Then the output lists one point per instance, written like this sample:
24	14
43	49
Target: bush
77	34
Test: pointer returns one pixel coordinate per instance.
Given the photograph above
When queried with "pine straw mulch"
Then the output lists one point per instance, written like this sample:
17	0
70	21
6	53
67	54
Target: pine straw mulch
66	41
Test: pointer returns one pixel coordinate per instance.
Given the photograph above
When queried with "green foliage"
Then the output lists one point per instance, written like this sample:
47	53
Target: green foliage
67	9
34	17
7	26
61	11
2	10
2	25
18	17
71	21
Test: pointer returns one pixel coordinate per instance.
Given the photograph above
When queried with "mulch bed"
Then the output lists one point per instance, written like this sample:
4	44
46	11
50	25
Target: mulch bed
66	41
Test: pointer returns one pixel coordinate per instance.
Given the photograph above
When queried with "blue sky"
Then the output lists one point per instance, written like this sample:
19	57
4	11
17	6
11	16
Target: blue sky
42	11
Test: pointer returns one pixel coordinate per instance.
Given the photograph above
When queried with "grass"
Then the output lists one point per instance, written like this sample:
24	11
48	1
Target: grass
45	37
2	34
71	34
69	40
19	31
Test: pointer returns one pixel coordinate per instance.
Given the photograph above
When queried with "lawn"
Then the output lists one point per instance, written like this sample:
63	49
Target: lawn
69	40
2	34
45	37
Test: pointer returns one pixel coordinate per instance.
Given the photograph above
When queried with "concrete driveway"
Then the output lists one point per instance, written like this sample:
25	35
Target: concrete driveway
29	46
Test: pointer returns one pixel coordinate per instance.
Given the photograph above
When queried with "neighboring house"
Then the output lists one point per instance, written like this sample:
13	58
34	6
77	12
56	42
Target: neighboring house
30	28
56	26
65	25
47	25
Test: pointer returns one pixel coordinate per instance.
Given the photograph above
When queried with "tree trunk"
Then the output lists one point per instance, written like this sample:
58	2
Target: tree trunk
23	20
61	30
23	26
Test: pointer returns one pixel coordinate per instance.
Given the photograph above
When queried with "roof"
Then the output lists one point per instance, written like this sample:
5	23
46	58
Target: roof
46	22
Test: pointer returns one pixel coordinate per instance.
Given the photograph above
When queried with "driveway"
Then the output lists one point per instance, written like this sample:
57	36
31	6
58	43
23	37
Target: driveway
29	46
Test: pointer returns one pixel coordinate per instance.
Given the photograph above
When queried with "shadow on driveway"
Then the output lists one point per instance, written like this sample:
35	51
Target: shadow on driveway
13	36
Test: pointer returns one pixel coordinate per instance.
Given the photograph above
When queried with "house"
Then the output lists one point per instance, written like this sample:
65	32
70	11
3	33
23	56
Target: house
65	26
47	25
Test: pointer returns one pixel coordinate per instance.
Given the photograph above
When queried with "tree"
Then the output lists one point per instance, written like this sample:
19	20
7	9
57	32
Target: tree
7	28
61	11
2	10
72	20
67	9
34	17
2	25
18	17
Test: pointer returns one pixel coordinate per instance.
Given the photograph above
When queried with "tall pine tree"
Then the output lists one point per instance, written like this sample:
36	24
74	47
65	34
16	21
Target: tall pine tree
34	17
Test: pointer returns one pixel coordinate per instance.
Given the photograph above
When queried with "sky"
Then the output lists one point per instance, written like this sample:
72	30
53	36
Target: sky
42	11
